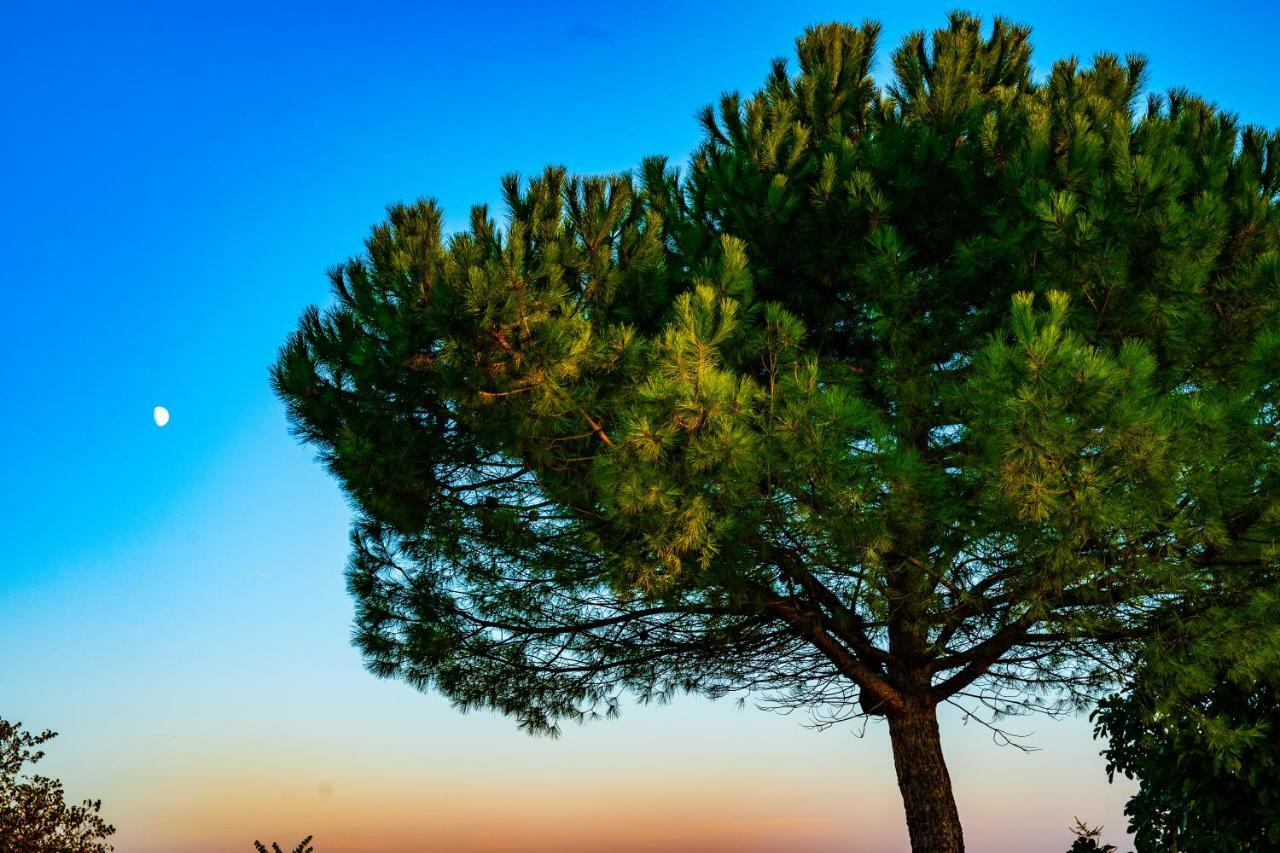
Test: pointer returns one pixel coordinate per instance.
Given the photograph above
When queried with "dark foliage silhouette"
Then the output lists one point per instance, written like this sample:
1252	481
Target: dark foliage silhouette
34	814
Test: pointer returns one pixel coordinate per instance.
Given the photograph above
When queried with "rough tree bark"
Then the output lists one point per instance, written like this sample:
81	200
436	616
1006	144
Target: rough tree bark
932	818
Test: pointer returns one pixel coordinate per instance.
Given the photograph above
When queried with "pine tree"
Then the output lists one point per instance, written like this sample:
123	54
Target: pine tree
900	395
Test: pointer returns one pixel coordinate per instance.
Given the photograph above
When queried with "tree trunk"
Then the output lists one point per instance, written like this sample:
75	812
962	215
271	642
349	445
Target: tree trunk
932	818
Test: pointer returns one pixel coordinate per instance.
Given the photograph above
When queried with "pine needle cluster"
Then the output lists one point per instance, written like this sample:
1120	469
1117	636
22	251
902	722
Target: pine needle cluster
931	391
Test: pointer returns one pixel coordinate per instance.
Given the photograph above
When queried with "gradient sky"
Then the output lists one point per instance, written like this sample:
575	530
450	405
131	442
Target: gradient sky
176	181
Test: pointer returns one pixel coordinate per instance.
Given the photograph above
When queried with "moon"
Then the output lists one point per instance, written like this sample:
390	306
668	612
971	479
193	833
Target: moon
161	415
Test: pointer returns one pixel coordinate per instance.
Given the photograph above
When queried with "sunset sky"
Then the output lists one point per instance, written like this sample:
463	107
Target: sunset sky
177	179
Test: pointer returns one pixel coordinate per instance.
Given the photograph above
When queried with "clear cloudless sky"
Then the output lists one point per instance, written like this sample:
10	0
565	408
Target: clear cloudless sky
176	179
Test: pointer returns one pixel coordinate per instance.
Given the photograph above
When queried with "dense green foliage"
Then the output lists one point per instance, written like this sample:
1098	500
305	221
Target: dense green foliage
34	814
932	391
1200	730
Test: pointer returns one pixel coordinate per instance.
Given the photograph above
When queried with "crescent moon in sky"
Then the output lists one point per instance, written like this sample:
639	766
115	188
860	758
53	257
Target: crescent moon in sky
161	416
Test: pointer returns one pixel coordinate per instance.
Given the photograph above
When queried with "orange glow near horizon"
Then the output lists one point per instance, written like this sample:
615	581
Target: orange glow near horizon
693	778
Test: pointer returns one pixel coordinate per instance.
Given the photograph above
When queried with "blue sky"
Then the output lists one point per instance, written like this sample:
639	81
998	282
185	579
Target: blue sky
176	181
